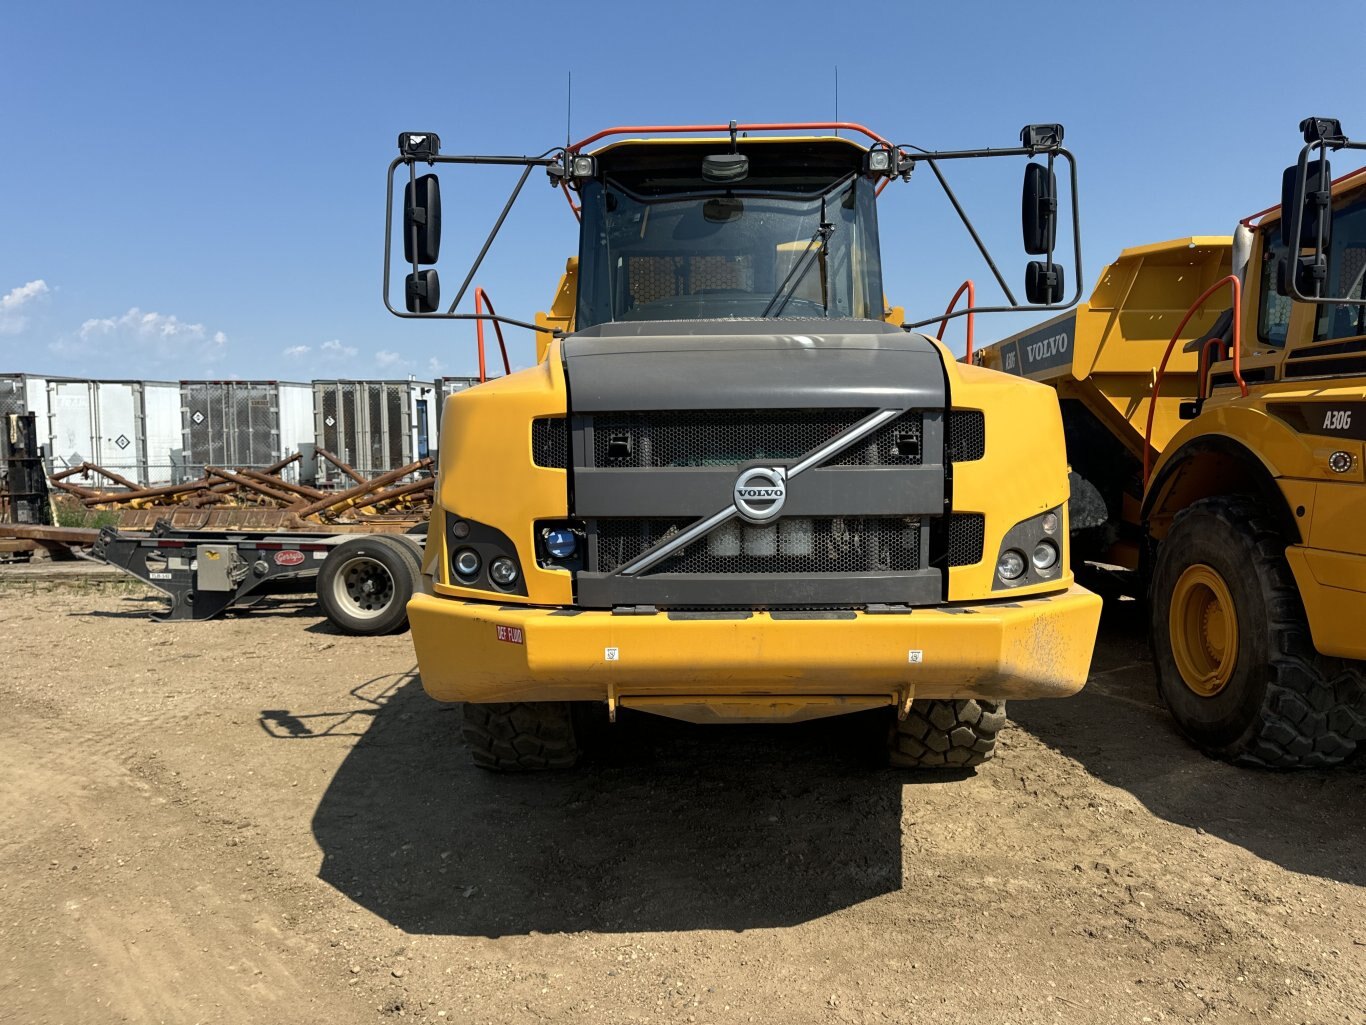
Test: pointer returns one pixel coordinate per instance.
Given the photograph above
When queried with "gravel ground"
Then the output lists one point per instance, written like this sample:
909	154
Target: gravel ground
257	820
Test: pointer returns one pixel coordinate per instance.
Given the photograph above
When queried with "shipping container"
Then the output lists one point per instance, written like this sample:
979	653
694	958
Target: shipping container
249	424
161	423
374	426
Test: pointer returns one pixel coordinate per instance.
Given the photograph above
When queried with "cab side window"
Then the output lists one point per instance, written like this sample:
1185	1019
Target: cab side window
1273	314
1346	268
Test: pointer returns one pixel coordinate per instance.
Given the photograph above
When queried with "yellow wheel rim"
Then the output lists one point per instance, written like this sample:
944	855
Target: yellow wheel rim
1203	626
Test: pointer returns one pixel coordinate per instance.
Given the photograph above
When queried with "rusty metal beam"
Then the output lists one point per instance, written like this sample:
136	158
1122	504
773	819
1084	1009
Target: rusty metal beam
343	467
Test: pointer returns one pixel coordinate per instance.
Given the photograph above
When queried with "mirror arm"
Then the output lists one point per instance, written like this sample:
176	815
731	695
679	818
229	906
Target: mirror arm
517	191
1323	211
1076	250
967	223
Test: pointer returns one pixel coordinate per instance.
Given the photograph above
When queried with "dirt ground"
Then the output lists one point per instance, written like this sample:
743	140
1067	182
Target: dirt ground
257	820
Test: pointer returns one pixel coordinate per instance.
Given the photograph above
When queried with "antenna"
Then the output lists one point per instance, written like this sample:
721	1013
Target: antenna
568	110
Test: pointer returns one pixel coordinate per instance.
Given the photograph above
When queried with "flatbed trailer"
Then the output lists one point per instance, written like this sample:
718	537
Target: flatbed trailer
362	581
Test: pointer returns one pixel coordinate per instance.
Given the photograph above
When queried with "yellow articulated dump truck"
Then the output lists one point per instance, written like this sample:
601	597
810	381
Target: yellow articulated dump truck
1213	393
735	487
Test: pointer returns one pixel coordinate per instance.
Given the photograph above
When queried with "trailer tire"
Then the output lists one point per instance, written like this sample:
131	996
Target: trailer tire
521	736
365	584
1235	662
946	734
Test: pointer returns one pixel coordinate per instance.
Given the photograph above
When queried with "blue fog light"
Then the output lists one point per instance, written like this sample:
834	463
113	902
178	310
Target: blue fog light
560	543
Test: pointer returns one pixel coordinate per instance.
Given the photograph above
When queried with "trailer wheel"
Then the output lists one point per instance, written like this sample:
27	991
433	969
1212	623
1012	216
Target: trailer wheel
365	584
1235	662
946	734
521	736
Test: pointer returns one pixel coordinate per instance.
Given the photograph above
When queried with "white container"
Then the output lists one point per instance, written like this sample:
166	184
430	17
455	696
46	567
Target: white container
161	427
71	422
120	444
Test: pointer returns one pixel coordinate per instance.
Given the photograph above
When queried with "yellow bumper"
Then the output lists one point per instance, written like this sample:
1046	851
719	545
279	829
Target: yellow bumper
768	667
1332	586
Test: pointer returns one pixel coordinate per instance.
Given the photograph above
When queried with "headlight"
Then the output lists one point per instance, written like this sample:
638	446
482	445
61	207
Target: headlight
1049	523
560	543
1011	564
467	562
503	571
1045	555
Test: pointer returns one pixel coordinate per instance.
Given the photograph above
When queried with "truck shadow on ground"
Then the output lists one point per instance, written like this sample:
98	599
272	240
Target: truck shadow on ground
672	827
1310	821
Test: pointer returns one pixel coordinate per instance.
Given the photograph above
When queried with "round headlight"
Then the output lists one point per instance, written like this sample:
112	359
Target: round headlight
1011	565
560	543
1050	523
1045	555
503	571
467	562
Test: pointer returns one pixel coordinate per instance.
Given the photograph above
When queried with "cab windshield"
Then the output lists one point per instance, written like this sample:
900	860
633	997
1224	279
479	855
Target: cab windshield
662	244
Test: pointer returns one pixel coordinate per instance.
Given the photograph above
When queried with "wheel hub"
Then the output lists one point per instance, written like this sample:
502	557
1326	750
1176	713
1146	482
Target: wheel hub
1203	628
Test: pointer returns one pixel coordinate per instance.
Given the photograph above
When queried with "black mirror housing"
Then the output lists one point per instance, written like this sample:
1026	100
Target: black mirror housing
1039	209
422	220
1044	283
1318	175
422	292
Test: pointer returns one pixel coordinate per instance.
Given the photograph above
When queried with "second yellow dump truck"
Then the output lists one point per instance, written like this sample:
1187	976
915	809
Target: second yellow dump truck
1213	396
733	488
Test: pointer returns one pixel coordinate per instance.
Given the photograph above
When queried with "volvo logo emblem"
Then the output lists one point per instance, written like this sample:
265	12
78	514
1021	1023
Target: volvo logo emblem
760	493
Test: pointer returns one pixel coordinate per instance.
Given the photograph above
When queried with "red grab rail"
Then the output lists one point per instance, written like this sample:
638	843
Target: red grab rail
778	126
971	290
481	299
1235	344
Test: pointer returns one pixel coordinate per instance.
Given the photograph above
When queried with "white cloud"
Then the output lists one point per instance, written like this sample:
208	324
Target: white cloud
295	351
389	360
12	321
335	348
435	367
161	336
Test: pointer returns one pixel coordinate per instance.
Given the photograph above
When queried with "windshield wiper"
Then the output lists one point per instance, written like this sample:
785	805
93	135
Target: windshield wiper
820	243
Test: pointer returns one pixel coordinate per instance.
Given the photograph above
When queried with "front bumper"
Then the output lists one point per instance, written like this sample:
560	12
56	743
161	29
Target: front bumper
1332	586
755	665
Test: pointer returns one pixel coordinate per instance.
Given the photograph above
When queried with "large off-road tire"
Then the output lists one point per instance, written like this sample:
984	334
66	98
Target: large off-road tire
365	584
946	734
1231	645
521	736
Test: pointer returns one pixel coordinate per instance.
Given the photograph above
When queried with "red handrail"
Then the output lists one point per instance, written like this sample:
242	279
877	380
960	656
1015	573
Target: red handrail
481	299
971	290
1235	344
777	126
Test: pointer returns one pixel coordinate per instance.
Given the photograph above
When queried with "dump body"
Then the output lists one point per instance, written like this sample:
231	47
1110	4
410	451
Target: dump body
1294	441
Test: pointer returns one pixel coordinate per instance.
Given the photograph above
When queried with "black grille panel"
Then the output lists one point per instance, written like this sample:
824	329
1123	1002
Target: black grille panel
833	544
550	442
725	437
966	537
967	436
900	443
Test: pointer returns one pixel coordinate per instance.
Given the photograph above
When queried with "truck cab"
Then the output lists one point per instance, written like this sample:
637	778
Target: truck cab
735	489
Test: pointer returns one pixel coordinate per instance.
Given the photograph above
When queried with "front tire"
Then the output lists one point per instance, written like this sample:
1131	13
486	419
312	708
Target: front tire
946	734
1231	646
521	736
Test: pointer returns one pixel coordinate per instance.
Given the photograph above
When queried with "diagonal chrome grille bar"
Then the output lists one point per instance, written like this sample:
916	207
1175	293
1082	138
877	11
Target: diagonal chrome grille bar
813	458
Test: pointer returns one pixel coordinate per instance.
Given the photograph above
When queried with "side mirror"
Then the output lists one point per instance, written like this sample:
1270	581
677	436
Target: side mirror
1039	209
422	292
1309	203
1044	283
422	220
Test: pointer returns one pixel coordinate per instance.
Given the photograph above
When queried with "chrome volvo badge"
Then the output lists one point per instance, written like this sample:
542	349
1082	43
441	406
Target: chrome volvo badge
760	493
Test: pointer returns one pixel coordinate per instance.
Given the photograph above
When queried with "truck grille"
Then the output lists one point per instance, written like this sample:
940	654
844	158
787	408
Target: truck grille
833	544
728	437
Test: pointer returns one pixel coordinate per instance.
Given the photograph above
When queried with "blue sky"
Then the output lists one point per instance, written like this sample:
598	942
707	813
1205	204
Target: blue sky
197	190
